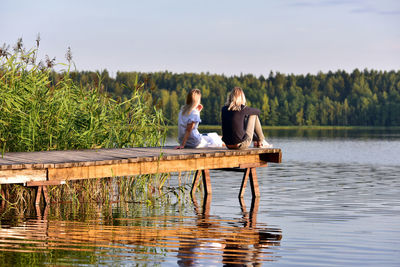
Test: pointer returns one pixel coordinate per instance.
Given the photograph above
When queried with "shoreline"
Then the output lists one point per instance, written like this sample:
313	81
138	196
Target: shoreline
294	127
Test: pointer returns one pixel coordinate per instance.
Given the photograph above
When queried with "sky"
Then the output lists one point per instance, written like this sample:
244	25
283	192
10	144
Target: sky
218	36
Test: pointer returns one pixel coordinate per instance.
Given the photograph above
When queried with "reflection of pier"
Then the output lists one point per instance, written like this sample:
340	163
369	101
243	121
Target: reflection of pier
44	168
205	237
243	244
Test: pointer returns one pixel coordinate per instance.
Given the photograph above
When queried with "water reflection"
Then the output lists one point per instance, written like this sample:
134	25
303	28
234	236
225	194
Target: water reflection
187	240
241	241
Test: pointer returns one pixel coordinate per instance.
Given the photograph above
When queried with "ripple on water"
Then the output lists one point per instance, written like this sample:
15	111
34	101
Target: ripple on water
331	202
184	239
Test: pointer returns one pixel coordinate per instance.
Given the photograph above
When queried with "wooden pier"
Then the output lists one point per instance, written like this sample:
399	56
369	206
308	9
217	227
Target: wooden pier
44	168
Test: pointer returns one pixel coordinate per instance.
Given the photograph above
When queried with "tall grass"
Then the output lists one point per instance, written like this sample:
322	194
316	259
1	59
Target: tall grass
38	113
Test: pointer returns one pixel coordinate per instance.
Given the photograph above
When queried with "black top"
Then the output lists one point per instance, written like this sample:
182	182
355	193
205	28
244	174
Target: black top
233	128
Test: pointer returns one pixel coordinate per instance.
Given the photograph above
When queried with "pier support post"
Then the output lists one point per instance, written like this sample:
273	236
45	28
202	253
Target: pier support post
40	189
3	196
250	218
244	182
252	174
196	181
42	214
205	211
206	182
255	189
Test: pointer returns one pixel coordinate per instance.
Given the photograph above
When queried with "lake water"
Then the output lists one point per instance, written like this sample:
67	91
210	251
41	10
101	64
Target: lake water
333	201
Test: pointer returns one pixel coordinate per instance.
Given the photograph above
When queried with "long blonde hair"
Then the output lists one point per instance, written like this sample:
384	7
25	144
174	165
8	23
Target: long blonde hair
235	99
192	101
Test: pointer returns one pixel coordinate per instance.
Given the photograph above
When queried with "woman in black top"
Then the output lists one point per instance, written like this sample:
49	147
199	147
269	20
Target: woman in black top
240	124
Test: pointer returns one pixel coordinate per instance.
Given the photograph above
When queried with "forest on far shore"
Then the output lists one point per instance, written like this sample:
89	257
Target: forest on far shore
359	98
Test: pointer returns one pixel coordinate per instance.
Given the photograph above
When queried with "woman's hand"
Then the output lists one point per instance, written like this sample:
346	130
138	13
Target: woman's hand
179	147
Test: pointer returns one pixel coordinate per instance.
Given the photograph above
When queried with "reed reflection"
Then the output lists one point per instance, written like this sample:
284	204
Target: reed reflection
234	242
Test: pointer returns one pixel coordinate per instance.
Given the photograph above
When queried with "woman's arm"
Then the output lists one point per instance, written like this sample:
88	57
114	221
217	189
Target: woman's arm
251	111
189	128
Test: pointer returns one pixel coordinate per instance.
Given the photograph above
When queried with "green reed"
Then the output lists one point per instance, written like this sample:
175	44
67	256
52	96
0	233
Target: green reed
38	112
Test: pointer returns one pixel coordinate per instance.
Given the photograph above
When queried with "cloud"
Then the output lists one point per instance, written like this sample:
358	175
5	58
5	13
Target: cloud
321	3
362	10
392	12
355	6
369	10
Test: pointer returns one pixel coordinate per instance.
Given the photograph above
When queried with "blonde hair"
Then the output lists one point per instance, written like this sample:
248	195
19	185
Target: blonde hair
235	99
192	101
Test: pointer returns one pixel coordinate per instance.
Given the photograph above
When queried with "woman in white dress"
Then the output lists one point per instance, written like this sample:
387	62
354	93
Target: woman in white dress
188	122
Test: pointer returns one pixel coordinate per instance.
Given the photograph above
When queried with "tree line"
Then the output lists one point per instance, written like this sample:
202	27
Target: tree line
365	98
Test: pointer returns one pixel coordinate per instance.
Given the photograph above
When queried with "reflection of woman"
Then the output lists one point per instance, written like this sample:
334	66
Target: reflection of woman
188	122
240	124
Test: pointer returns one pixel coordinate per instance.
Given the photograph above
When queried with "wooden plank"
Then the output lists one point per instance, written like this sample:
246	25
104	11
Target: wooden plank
87	172
39	183
90	157
27	158
84	160
41	159
275	157
114	153
22	176
230	169
7	161
117	154
149	167
252	165
78	157
9	164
